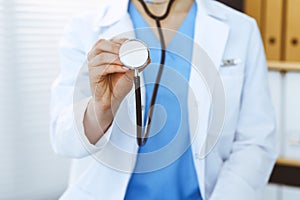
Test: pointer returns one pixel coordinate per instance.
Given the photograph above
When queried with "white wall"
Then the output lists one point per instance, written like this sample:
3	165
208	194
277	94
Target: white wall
29	34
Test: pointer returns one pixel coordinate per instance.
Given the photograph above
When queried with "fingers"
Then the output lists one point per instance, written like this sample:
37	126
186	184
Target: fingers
112	69
119	41
104	46
106	72
105	59
109	46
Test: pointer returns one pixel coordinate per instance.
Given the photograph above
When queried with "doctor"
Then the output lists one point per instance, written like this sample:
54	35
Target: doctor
92	111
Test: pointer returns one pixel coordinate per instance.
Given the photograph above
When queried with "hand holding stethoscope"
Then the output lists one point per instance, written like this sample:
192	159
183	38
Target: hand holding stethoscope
109	80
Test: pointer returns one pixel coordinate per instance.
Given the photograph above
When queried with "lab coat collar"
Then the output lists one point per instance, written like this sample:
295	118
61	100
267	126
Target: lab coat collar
114	10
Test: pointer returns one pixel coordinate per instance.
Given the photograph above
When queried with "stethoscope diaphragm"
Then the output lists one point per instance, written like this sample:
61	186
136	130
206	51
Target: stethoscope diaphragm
134	54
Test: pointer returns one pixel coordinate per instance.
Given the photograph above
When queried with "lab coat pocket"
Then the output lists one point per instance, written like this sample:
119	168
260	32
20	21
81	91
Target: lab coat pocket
233	85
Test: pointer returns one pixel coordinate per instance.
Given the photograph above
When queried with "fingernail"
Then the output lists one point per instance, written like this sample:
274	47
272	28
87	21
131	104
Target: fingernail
125	68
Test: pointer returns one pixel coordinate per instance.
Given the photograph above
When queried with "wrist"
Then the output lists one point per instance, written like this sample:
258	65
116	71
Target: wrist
102	115
100	106
99	109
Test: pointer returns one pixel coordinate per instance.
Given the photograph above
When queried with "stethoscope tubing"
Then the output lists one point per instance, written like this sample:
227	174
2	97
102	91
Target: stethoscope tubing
141	140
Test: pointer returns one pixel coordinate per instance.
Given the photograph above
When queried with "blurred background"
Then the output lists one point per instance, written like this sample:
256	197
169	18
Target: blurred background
29	35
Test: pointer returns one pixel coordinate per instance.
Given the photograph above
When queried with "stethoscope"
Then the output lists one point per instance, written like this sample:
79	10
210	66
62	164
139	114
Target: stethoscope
134	54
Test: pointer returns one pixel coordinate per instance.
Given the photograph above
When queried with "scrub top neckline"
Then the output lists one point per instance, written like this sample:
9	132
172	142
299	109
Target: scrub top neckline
181	29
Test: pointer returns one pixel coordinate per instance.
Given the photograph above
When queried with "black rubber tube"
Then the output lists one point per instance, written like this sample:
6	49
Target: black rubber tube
141	140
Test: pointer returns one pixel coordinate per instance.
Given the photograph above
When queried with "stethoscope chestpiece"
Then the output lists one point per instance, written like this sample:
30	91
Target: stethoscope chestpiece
134	54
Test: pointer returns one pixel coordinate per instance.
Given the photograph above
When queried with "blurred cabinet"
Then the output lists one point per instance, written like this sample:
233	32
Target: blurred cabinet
271	192
279	22
292	115
272	28
284	81
290	193
236	4
254	9
292	43
275	192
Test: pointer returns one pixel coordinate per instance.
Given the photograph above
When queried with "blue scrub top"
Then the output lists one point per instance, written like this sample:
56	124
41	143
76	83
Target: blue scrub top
176	178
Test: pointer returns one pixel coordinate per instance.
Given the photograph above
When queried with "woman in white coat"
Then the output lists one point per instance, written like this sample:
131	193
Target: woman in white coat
92	111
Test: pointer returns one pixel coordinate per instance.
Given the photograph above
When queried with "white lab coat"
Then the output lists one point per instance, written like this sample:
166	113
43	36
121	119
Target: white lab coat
241	161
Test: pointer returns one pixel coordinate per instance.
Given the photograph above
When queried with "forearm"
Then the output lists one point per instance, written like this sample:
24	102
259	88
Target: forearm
97	120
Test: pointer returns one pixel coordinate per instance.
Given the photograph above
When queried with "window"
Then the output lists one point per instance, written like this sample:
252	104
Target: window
29	35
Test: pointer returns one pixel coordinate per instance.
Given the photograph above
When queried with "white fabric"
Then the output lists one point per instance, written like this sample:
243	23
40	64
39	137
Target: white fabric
240	163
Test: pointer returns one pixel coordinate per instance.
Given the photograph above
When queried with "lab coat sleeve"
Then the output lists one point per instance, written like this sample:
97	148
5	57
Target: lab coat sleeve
70	96
247	170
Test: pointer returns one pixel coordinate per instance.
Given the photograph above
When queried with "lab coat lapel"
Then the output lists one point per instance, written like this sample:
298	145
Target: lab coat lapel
122	28
210	39
211	31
